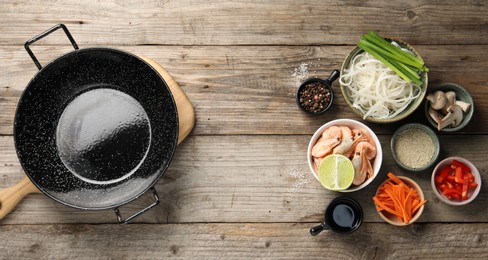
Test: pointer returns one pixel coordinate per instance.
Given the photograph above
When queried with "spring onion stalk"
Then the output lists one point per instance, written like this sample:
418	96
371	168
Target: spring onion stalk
396	69
410	70
380	41
404	64
413	76
373	36
391	55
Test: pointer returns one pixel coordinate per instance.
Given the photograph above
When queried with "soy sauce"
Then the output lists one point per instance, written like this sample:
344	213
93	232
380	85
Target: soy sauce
344	215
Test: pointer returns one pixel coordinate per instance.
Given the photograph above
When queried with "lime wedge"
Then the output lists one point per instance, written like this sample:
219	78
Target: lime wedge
336	172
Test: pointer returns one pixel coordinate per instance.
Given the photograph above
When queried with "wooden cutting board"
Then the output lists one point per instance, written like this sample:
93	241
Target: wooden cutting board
11	196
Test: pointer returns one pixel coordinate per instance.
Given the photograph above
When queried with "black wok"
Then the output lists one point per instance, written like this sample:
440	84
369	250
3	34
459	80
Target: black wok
95	128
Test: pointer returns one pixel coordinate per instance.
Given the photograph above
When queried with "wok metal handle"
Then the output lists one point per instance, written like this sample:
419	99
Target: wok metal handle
127	220
44	34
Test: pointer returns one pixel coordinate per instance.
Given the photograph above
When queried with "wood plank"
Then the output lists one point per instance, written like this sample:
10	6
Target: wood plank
242	241
250	179
287	22
250	90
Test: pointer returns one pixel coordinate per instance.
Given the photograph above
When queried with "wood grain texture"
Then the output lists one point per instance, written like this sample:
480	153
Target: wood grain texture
239	186
242	241
250	179
250	89
284	22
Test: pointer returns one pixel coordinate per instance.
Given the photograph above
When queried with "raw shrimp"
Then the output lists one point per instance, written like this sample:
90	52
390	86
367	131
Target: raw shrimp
330	139
371	152
346	142
362	165
358	136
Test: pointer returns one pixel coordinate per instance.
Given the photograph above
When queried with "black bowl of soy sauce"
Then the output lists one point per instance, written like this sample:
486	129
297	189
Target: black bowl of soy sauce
315	96
343	215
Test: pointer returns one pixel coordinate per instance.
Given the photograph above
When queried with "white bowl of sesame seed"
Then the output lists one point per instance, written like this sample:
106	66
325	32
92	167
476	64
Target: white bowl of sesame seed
415	147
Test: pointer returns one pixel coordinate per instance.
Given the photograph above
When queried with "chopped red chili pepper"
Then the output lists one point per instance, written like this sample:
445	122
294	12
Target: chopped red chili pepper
470	175
463	166
455	181
458	175
464	194
451	192
443	174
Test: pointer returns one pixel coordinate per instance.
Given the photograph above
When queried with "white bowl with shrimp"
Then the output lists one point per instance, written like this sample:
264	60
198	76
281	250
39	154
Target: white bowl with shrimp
351	124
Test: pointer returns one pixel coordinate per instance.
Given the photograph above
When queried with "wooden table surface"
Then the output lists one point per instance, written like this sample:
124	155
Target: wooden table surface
239	185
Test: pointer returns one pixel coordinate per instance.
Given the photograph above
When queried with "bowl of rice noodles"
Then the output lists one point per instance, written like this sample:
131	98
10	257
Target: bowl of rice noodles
375	92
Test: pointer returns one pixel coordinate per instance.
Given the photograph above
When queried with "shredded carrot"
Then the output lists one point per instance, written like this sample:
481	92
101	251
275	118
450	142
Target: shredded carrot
382	206
398	199
419	205
394	178
408	201
415	202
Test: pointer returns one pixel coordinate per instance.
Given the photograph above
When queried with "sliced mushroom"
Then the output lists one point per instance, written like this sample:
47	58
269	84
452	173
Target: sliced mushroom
437	100
453	118
465	106
450	100
435	115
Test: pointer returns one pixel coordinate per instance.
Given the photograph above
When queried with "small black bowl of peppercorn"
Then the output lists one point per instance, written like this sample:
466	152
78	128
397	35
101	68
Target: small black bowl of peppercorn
314	96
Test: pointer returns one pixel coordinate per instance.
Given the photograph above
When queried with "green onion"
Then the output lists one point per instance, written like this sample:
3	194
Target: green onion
386	62
381	42
403	63
393	55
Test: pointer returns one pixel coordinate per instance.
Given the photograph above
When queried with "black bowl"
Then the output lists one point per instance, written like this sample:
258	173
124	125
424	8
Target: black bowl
327	83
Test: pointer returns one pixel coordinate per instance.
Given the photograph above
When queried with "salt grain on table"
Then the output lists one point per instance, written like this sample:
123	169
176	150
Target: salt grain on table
300	179
300	74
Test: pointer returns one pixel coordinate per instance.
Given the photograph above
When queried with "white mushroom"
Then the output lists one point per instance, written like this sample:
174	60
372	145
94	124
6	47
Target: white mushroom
465	106
435	115
450	100
437	100
453	118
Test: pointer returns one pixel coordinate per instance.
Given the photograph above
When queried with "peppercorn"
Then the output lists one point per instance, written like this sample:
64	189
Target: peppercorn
314	97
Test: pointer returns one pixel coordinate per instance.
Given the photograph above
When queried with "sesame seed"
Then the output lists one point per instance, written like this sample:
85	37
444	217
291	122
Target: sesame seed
414	148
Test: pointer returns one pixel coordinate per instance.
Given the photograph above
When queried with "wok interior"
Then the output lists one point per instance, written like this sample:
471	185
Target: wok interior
103	136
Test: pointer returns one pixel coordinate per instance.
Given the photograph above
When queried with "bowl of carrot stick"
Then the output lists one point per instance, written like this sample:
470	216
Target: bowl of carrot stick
399	200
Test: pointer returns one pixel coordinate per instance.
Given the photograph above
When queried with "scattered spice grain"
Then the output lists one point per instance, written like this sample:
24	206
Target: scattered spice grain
300	74
414	148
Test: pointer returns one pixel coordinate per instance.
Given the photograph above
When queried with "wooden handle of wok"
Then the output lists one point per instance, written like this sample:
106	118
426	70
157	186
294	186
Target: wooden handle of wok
11	196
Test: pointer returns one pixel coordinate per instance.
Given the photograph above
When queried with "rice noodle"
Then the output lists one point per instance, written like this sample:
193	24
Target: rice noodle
376	90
